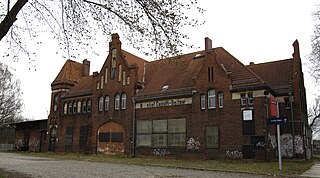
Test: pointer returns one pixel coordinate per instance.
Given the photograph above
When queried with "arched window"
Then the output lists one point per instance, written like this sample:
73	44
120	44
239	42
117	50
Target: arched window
70	107
55	104
100	103
116	102
123	101
211	99
89	106
79	107
65	108
107	103
74	107
84	106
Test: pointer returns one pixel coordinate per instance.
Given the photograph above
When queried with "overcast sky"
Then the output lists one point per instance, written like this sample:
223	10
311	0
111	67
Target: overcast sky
251	30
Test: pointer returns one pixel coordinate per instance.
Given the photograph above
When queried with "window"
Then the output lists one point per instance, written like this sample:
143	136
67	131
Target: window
250	99
83	136
74	107
84	106
123	101
79	107
119	73
69	137
161	133
220	100
114	53
243	99
98	85
210	74
113	64
203	101
128	80
116	137
100	104
177	132
116	102
70	107
89	106
107	103
104	137
211	99
212	137
101	82
248	121
55	105
65	108
124	78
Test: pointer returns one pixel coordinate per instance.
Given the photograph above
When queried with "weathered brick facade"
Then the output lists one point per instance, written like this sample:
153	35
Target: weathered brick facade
205	104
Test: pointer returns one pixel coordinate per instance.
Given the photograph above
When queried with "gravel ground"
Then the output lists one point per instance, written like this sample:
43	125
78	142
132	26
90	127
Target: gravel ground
49	167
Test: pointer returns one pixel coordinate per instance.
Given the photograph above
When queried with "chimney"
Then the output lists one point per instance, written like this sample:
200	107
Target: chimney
207	43
86	67
251	63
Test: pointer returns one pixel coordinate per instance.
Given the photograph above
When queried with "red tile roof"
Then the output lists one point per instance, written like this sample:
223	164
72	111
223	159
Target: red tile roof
84	87
71	72
132	59
277	74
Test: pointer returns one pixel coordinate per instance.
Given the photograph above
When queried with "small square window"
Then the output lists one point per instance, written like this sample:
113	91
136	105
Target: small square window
243	99
250	99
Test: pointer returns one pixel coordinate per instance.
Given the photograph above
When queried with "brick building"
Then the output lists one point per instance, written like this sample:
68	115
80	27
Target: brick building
205	104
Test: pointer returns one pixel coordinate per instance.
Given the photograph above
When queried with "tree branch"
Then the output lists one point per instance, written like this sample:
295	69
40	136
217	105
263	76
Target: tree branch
11	17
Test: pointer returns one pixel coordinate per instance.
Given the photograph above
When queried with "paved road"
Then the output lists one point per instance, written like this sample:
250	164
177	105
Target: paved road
49	167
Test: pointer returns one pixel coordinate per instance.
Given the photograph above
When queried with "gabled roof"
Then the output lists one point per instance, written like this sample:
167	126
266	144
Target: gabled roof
176	72
70	72
277	74
84	87
241	77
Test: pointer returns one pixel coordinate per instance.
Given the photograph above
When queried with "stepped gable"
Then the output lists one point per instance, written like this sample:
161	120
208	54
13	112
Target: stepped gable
175	72
242	78
71	72
276	73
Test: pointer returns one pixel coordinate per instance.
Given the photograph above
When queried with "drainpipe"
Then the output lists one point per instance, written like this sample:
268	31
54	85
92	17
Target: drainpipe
292	126
133	144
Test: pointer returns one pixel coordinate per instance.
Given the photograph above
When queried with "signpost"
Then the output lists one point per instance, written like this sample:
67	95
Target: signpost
277	121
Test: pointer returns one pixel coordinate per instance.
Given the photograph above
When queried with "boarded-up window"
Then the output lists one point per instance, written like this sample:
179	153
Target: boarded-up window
83	136
104	137
212	137
69	137
116	137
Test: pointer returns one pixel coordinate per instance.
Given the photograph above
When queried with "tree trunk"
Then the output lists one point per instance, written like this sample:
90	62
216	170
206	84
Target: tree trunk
11	17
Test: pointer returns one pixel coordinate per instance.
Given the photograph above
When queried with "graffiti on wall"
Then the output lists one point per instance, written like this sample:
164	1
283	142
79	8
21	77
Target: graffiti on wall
286	144
111	148
160	152
273	141
234	154
193	144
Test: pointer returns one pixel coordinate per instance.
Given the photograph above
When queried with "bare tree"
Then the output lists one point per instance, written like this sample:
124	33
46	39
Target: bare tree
10	100
152	26
314	57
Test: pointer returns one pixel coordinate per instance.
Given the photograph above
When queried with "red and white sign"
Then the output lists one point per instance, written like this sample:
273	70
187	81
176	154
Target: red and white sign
274	107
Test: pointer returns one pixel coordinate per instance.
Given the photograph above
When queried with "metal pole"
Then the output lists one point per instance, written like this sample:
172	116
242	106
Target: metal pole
279	147
133	154
279	142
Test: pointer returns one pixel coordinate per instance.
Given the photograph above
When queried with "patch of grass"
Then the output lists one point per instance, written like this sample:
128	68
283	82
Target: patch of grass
292	167
12	174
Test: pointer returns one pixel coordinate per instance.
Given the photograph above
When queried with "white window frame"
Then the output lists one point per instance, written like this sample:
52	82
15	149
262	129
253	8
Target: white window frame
220	100
107	103
211	99
100	104
116	102
123	101
203	101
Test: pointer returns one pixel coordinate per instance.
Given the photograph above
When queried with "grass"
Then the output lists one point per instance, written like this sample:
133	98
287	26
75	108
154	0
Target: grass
292	167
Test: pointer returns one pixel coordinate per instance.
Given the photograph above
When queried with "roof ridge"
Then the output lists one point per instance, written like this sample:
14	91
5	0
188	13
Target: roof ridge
237	60
269	62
